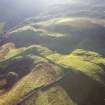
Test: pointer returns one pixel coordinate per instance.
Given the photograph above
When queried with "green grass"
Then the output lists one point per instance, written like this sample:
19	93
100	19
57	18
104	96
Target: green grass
85	68
48	97
86	62
37	78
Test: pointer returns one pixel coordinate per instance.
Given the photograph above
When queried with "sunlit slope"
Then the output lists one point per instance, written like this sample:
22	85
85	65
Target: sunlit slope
27	57
41	75
81	72
51	96
62	34
78	59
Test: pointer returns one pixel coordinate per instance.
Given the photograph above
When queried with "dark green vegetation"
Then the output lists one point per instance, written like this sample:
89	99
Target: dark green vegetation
55	62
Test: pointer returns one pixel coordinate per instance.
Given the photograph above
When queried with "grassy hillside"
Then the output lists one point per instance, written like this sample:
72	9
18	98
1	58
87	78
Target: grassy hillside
62	34
54	58
41	75
80	77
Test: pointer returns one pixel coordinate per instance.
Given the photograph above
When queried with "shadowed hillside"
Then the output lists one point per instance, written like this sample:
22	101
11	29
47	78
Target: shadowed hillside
52	52
44	74
62	34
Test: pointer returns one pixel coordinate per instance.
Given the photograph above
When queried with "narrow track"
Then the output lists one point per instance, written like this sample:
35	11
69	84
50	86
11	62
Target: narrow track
58	81
34	91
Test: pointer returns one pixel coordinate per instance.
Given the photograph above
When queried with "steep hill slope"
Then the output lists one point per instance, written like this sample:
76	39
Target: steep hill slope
54	58
62	34
79	76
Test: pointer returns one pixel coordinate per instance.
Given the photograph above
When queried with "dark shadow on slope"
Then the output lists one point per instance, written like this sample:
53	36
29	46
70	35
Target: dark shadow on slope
89	39
61	44
102	75
21	66
82	89
3	40
13	70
